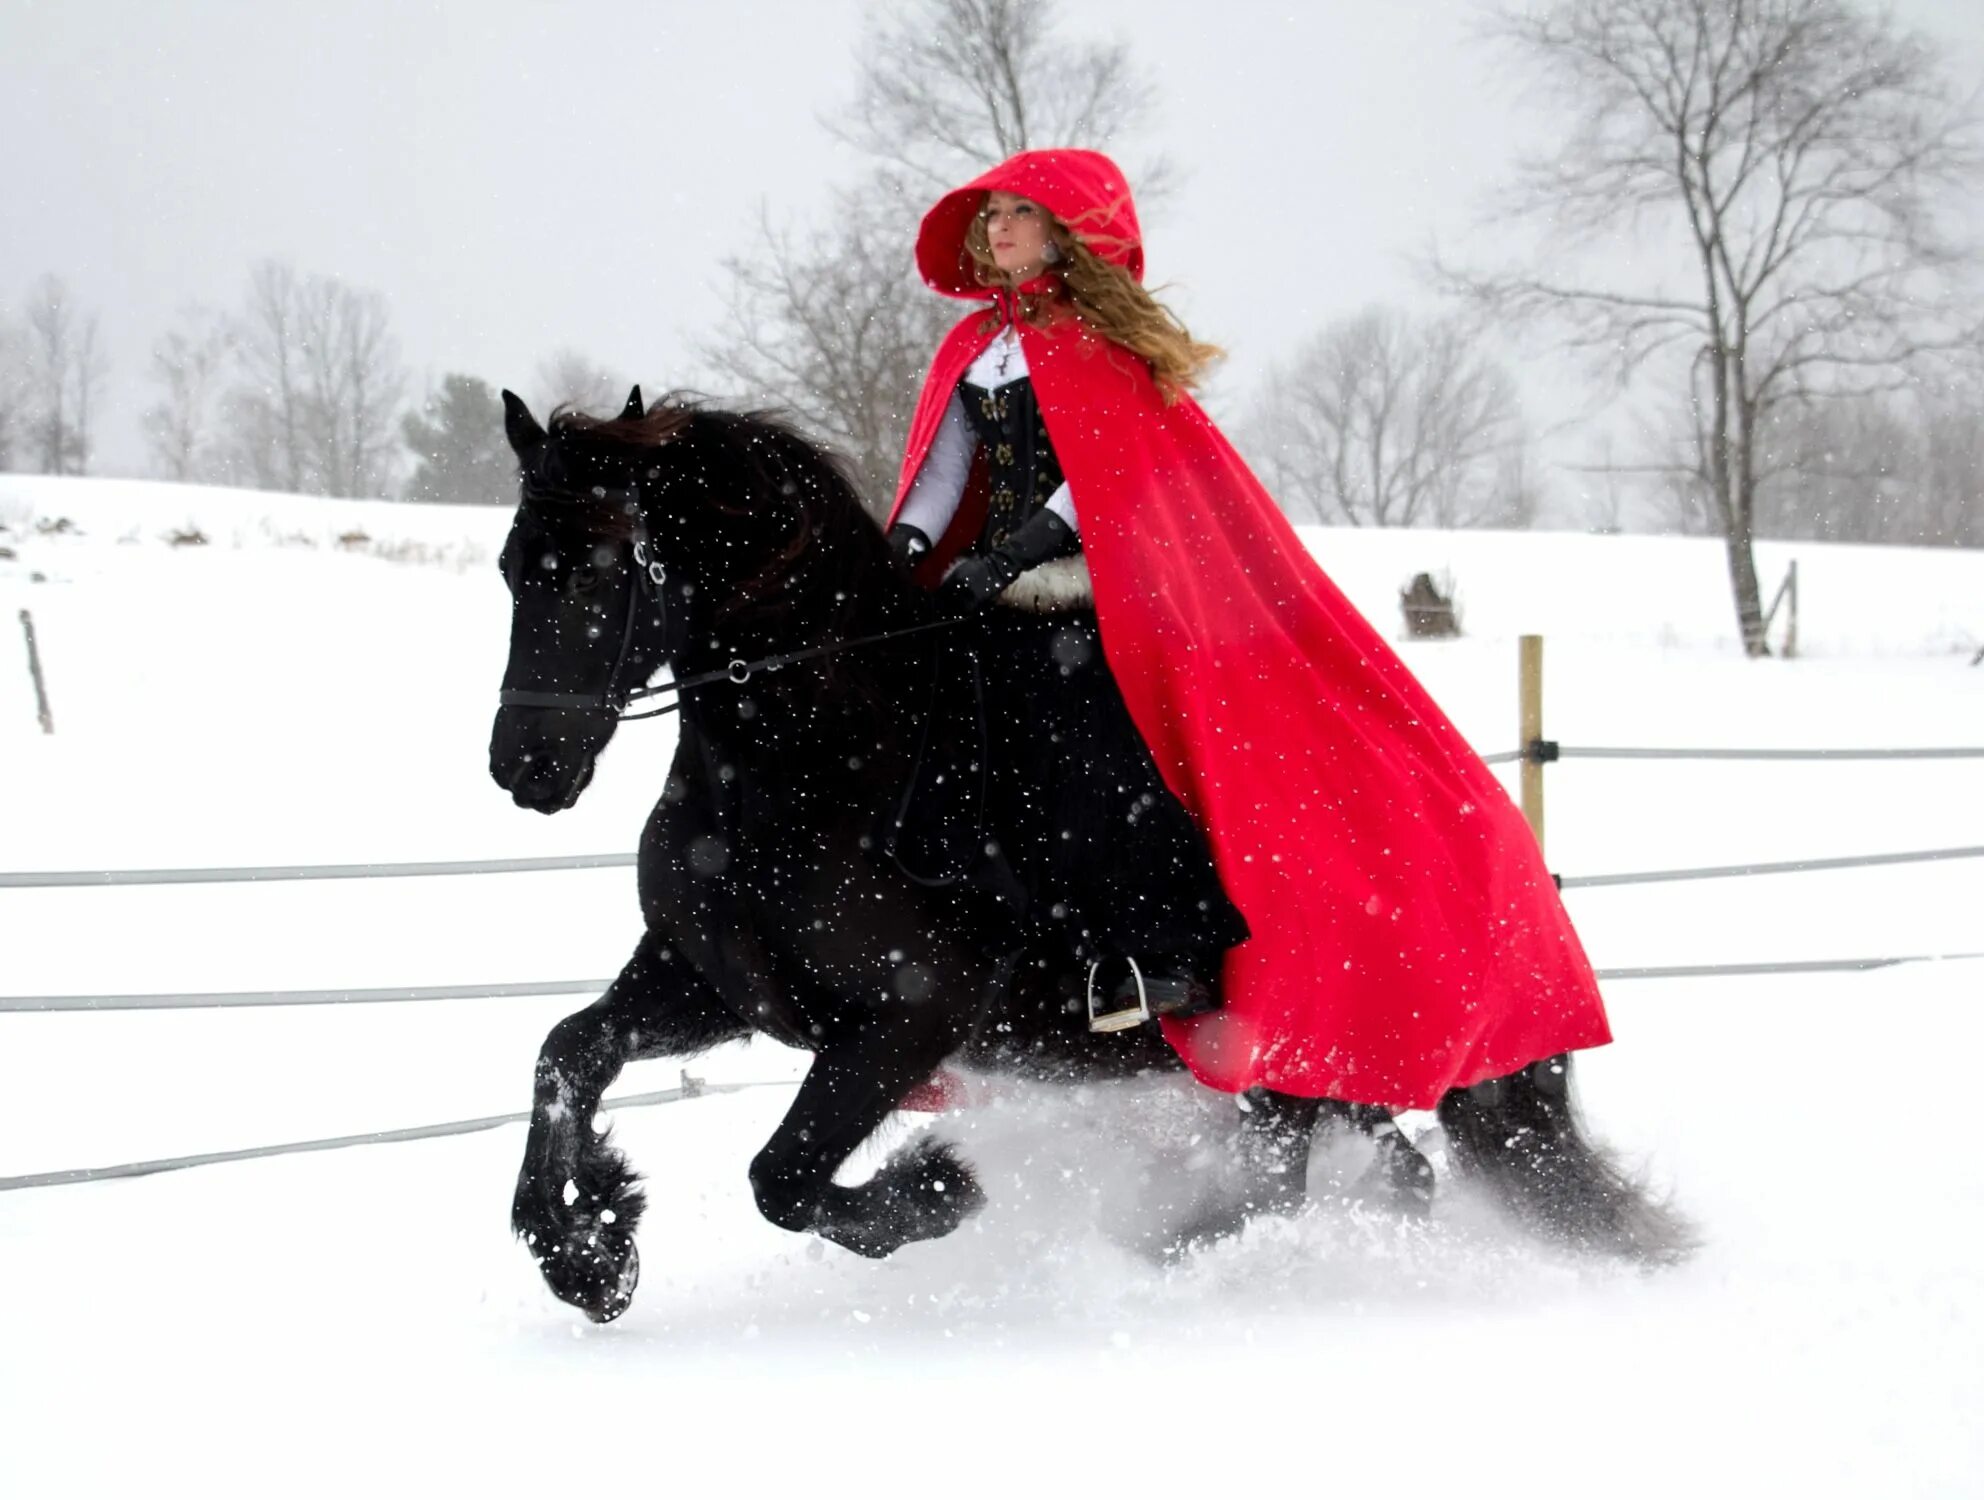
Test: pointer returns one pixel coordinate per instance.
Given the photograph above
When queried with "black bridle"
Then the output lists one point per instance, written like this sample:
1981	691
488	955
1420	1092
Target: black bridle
650	578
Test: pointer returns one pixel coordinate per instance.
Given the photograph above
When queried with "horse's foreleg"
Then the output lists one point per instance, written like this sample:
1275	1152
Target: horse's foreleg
921	1193
1268	1172
577	1202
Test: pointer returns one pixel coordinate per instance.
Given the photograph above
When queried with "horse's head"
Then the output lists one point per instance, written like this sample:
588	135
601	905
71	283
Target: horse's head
667	531
588	617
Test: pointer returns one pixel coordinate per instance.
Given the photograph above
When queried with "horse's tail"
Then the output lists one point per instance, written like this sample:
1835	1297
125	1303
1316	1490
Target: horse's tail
1520	1135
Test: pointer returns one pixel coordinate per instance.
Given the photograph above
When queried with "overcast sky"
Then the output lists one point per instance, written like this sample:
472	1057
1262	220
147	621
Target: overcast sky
520	175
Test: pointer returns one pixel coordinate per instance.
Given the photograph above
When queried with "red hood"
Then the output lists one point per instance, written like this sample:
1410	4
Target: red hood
1083	189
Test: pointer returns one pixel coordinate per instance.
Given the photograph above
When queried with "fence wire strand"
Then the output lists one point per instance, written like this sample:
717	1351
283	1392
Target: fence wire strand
1668	752
690	1089
254	999
257	873
1773	867
73	1004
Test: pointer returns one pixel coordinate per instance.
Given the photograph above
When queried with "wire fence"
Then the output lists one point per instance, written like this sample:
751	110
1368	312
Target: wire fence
28	879
1540	750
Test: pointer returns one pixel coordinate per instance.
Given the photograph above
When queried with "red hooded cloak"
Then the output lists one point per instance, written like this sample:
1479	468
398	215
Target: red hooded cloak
1407	937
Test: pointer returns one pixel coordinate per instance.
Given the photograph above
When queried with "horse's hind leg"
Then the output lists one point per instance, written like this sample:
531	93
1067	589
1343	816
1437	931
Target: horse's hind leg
921	1193
577	1202
1521	1135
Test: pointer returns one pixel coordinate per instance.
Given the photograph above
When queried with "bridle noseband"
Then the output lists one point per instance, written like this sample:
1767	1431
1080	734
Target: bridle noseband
650	578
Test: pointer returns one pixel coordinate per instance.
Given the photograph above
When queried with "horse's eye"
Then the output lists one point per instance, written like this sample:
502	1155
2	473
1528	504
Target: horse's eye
585	578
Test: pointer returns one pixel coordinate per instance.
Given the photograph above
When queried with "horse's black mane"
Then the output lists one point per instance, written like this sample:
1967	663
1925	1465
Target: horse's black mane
749	462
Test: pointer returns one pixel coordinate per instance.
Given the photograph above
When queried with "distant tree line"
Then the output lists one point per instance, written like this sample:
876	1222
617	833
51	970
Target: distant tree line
1803	321
299	387
1904	468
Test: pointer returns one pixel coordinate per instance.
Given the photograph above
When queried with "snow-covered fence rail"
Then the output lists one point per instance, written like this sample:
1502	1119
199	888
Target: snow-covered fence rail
221	875
250	999
96	878
1546	750
1772	867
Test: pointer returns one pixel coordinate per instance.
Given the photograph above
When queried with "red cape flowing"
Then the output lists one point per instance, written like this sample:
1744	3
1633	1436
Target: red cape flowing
1407	937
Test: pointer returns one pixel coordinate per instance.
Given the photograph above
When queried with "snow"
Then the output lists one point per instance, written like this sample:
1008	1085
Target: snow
316	1323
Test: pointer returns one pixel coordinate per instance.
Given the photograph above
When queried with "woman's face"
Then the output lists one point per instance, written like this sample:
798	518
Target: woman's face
1017	229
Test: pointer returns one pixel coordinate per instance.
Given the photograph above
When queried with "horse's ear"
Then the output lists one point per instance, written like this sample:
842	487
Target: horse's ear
633	407
520	426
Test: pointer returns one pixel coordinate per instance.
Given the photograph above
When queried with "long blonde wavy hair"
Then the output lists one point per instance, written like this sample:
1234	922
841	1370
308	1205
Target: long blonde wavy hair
1106	297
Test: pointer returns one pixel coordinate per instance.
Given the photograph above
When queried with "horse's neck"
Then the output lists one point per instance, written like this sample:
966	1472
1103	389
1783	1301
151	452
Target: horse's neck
831	701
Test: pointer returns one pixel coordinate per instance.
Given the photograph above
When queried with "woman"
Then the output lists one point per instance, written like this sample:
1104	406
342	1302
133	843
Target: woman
1406	937
1088	842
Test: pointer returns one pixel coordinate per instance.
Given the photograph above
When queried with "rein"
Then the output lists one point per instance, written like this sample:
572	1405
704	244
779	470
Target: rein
650	578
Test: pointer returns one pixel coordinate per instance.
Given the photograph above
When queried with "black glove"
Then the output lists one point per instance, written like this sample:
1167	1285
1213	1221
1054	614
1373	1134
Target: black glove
909	546
976	581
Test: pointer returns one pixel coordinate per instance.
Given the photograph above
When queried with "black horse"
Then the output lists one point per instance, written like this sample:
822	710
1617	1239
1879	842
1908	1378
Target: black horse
730	549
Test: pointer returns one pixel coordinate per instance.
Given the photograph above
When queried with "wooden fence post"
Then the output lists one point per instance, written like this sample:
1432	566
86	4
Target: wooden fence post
34	671
1787	594
1530	711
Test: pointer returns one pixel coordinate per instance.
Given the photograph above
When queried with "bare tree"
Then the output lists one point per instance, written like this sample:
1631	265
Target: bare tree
190	365
834	324
66	368
1799	147
945	88
834	331
355	382
266	422
321	385
1379	421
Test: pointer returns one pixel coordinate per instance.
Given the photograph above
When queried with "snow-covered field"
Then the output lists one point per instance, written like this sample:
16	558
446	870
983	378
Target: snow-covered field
359	1321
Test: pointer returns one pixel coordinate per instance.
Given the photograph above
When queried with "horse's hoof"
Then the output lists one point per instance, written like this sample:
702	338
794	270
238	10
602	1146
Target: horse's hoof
586	1276
621	1297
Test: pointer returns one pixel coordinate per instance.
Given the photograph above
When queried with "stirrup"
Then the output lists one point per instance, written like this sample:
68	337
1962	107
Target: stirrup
1129	1015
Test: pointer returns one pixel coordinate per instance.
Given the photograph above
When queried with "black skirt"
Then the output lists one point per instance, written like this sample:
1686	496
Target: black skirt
1035	783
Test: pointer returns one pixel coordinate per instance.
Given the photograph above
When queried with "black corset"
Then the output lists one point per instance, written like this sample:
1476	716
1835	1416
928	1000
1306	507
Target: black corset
1020	461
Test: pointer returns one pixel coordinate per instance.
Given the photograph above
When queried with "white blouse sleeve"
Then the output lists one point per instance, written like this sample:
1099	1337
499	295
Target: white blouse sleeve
937	490
1062	503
